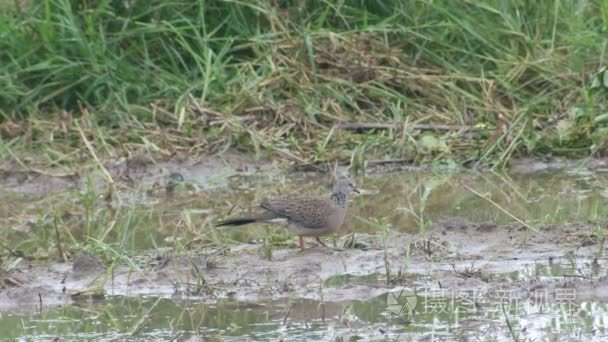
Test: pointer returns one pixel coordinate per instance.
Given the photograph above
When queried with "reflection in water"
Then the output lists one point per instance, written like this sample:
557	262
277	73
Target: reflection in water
439	311
409	199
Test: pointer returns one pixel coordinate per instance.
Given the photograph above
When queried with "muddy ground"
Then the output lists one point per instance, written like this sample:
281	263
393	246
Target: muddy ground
136	171
454	254
142	171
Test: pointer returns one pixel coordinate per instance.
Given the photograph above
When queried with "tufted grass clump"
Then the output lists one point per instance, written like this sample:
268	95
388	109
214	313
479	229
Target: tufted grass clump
451	81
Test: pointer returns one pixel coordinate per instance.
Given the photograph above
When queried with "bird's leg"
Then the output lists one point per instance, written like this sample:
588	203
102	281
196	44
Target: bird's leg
321	242
301	242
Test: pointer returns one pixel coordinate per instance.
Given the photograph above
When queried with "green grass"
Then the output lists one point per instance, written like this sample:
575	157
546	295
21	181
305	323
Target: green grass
263	76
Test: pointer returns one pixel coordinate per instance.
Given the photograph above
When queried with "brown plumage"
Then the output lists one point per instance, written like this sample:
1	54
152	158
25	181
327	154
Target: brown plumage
305	216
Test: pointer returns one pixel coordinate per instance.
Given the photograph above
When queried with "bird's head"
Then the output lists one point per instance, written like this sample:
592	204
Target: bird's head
345	185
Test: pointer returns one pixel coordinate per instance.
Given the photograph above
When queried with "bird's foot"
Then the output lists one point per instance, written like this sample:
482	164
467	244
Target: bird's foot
301	244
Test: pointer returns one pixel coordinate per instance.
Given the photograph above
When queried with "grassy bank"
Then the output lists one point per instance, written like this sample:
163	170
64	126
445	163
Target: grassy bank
159	77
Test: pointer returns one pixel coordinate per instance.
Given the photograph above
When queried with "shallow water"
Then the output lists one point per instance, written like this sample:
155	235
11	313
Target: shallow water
408	201
445	314
526	290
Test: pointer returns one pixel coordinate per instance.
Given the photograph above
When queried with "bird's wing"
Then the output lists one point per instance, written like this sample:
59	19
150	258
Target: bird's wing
308	212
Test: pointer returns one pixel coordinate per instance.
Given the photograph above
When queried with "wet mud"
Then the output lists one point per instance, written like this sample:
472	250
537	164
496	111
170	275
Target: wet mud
484	262
454	254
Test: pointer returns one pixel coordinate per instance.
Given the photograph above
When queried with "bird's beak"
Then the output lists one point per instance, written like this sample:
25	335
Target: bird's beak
355	190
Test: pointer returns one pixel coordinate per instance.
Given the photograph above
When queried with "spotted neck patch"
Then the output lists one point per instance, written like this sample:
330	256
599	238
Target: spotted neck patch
339	198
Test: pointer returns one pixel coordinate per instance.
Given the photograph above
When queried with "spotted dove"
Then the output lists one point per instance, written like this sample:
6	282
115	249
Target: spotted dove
304	216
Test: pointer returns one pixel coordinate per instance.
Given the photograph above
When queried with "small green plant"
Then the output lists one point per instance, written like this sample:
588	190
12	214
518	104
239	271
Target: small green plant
384	228
423	190
266	251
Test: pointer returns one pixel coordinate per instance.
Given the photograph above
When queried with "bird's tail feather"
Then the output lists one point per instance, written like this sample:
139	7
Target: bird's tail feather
246	220
237	221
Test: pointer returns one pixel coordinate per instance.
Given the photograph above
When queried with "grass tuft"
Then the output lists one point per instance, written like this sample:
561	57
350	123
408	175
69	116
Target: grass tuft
266	77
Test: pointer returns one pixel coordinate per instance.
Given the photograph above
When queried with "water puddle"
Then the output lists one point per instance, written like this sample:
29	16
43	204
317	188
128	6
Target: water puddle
449	255
444	314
